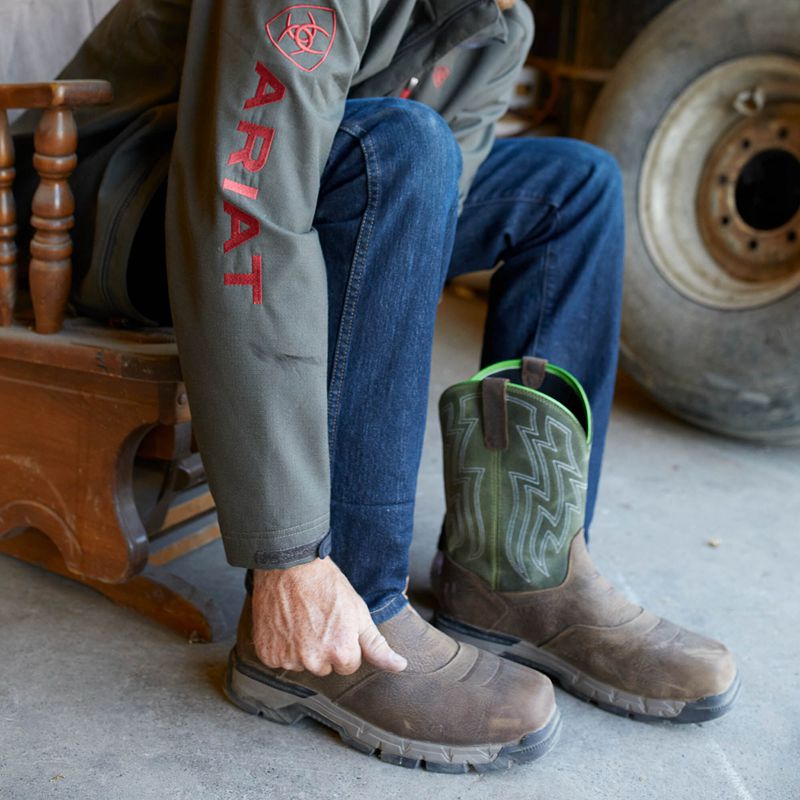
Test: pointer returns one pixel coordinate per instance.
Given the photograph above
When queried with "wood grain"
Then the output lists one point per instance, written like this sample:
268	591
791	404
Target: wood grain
8	225
55	94
77	404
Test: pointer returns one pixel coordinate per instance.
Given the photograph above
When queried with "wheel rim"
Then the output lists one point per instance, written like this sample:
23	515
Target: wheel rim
719	197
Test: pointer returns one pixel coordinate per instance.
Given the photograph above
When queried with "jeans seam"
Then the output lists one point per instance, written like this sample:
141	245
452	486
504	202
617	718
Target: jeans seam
545	309
392	504
533	199
352	294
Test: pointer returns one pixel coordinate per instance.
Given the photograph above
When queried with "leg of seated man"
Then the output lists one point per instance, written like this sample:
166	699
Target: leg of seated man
551	210
386	217
515	576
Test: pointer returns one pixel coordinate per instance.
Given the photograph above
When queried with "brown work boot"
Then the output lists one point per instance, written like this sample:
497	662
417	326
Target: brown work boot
454	706
513	574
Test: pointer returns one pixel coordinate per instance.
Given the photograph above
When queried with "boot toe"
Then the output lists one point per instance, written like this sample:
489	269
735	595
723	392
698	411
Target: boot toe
696	666
528	700
650	658
511	700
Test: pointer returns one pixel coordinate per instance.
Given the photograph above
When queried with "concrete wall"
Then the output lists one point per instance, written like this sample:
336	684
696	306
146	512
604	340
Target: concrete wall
39	37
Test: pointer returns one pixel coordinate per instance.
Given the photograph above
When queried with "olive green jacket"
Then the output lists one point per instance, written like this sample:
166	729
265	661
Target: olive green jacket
261	87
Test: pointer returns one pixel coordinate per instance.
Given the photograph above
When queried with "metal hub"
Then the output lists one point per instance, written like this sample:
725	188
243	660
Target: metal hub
719	197
748	204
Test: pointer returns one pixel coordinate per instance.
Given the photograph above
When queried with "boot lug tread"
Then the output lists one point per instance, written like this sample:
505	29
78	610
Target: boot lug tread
529	748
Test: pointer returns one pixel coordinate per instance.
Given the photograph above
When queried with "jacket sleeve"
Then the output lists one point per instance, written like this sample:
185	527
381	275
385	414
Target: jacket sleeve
478	88
262	95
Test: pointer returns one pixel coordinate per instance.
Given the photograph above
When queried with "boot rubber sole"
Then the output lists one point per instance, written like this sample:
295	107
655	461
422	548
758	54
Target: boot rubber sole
603	695
286	703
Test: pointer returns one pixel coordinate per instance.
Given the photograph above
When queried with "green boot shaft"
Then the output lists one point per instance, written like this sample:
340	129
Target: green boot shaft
515	463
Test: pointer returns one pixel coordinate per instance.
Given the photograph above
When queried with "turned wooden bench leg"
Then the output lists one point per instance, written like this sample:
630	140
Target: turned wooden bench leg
8	225
55	143
50	275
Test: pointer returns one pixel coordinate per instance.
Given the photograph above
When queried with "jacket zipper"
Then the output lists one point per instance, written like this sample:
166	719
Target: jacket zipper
410	86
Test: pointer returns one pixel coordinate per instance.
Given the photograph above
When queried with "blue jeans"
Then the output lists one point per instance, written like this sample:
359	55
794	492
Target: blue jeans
387	217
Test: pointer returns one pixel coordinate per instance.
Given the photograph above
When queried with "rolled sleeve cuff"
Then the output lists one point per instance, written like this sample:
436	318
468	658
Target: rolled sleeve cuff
279	549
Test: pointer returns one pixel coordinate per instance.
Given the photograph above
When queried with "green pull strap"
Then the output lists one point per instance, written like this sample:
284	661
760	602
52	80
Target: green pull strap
494	413
584	409
534	371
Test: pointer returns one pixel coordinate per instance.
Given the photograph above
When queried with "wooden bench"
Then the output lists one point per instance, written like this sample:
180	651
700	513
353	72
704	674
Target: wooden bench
100	479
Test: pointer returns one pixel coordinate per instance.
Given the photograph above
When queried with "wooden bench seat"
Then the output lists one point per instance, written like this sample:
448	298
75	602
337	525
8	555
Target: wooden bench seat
100	479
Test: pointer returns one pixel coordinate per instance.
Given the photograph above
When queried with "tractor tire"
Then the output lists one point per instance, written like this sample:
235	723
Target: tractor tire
703	116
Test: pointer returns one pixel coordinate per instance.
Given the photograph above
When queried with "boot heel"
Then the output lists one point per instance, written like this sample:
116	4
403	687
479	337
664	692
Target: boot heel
260	699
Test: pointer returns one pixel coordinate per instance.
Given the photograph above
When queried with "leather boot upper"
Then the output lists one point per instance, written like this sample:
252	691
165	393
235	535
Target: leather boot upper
594	628
449	693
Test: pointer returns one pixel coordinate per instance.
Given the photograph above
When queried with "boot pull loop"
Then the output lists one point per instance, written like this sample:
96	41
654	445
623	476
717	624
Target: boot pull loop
495	417
534	371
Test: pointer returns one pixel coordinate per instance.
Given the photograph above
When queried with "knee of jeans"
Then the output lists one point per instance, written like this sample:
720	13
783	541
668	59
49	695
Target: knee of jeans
605	175
417	142
597	191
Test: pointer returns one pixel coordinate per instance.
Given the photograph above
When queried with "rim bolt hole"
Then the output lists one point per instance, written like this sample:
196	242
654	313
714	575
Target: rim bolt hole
792	236
753	244
746	144
726	220
722	180
783	133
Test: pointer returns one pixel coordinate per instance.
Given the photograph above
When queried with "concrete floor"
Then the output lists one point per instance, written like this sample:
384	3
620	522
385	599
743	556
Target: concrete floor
98	703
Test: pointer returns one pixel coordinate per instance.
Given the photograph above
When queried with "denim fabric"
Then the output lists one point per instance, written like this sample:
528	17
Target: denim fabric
387	218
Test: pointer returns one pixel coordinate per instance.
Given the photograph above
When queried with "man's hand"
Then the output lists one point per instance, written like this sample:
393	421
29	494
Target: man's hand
309	617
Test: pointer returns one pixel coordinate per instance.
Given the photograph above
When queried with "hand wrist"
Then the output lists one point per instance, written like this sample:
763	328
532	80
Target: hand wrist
304	567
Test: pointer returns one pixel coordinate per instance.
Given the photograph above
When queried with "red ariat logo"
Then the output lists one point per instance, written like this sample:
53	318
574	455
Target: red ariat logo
440	75
243	164
304	34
